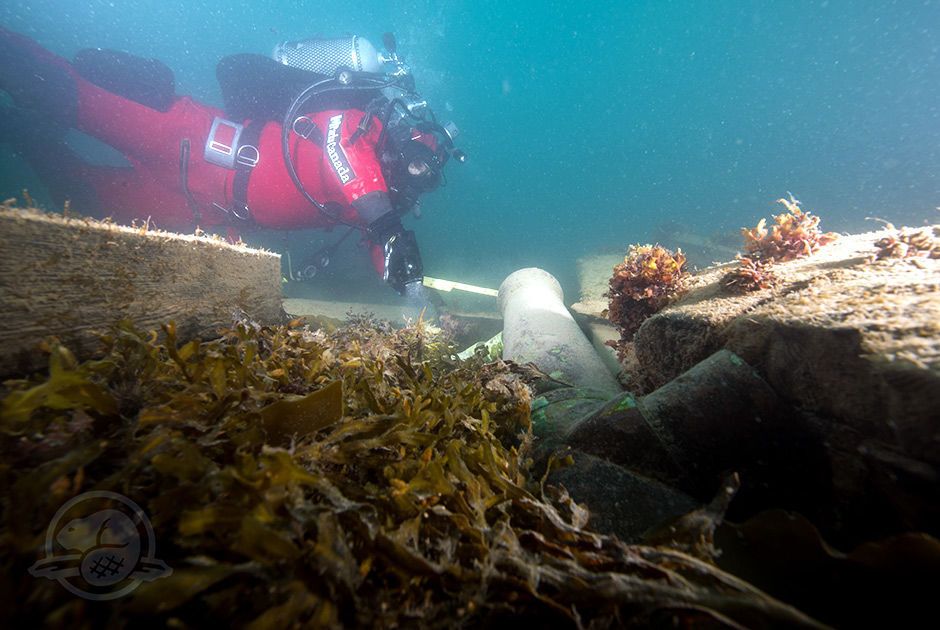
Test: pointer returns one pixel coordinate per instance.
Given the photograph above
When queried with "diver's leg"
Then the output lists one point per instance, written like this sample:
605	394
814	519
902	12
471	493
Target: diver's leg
46	83
149	138
36	79
123	193
39	140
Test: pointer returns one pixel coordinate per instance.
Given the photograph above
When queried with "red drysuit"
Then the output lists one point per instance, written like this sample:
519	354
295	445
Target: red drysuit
153	187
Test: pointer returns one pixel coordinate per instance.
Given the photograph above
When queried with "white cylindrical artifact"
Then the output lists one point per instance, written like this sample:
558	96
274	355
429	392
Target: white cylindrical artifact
538	328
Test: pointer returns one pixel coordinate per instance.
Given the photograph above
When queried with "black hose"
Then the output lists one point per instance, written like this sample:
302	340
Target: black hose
287	125
314	259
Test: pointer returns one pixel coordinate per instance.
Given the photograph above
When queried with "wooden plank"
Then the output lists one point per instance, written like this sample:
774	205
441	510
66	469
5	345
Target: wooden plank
397	314
73	278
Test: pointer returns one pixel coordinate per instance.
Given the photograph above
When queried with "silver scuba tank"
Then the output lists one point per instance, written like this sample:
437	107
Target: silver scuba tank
326	56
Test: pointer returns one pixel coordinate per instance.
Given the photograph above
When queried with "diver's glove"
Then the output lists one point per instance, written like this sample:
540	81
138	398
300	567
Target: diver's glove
403	265
426	302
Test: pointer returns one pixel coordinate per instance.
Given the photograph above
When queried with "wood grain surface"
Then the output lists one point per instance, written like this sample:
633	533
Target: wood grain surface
73	278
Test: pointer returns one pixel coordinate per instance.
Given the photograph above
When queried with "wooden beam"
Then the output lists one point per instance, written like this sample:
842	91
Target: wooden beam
73	278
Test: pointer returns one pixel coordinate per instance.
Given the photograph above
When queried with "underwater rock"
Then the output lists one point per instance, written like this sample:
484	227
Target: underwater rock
880	584
620	501
694	532
73	277
851	341
687	434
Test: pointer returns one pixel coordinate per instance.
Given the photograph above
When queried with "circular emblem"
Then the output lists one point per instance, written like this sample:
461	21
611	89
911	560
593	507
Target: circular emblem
100	545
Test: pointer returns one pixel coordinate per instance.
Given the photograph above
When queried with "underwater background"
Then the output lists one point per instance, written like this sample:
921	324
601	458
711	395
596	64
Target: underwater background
591	126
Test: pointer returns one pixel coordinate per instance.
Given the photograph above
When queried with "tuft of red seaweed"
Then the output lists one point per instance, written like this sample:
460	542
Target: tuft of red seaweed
907	244
795	234
647	279
751	275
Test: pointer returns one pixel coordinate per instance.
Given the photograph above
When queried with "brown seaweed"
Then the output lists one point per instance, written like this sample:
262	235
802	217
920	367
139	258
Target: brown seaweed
907	243
352	478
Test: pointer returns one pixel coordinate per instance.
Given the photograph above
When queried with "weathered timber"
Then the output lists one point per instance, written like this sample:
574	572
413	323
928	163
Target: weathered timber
73	278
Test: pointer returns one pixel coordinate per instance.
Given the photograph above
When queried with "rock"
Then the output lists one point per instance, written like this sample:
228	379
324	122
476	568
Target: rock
854	344
716	418
840	336
621	502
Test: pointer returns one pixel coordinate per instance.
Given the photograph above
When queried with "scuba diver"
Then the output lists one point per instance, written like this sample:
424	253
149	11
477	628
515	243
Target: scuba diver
316	136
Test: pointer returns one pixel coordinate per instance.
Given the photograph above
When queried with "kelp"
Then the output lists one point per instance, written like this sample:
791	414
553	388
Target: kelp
360	477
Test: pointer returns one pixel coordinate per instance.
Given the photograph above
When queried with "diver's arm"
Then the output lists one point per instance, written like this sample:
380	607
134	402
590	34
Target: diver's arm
394	250
354	172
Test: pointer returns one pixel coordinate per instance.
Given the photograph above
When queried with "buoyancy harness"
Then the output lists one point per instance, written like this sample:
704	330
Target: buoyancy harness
234	146
301	124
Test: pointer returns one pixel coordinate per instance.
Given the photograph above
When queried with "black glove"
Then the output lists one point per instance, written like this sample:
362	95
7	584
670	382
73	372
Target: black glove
402	260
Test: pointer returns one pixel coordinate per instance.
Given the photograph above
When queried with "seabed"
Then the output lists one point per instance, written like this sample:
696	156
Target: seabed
340	471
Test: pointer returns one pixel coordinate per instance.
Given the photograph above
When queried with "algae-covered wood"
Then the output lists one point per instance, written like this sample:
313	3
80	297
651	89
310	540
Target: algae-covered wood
73	278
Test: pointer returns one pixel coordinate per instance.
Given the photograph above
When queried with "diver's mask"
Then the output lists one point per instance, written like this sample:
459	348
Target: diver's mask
414	157
418	163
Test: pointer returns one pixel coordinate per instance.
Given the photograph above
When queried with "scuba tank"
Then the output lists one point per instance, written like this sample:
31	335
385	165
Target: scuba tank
349	64
327	56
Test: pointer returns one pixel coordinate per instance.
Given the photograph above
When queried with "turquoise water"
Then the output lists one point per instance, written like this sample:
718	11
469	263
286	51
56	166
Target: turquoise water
589	125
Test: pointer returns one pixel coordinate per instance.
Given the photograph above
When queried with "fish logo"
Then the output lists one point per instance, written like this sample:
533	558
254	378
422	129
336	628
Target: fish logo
100	546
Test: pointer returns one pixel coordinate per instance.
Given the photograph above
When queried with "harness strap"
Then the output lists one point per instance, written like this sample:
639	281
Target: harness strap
184	181
305	128
247	157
